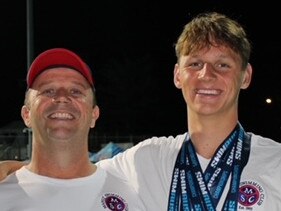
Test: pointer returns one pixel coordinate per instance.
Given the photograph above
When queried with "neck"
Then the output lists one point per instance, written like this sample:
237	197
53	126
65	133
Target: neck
62	163
208	133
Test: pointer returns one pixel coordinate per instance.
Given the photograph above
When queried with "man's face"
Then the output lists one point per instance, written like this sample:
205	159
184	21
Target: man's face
60	105
211	80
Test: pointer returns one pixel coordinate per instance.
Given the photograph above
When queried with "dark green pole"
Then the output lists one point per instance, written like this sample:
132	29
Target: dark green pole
30	54
29	31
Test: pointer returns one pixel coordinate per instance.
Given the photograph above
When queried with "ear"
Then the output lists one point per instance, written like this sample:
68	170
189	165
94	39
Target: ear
177	76
25	114
95	115
247	77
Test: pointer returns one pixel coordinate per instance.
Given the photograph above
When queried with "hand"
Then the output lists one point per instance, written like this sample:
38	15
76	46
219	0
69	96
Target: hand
9	166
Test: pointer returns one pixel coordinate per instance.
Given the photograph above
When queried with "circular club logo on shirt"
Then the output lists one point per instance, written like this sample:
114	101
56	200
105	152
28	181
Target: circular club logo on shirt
114	202
251	194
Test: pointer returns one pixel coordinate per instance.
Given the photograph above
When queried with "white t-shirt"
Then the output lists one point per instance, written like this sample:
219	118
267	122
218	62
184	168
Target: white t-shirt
149	165
101	191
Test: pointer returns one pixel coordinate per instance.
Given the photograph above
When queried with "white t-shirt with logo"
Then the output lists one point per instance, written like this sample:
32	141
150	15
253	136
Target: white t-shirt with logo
26	191
149	165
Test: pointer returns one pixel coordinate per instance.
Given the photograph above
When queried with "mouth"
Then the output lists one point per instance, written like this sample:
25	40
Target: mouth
61	116
213	92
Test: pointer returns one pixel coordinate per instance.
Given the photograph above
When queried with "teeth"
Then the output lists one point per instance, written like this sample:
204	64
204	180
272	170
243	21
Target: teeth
208	91
61	116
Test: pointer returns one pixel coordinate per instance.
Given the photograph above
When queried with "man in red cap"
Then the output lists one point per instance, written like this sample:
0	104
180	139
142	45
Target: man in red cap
60	108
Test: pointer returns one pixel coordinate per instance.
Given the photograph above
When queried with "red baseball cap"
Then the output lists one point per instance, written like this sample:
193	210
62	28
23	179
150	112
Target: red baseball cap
58	57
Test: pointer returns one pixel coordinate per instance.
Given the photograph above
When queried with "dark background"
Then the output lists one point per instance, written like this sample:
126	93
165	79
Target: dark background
129	47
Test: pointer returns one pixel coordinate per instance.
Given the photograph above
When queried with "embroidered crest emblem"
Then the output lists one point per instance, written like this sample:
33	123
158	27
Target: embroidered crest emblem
114	202
251	194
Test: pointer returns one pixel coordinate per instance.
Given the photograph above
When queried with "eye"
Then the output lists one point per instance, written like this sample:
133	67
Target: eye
48	92
222	67
76	92
196	65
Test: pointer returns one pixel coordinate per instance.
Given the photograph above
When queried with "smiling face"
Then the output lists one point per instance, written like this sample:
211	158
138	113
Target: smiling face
211	79
59	106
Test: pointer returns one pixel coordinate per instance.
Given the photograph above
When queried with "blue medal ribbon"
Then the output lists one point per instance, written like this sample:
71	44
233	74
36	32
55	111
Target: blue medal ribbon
193	190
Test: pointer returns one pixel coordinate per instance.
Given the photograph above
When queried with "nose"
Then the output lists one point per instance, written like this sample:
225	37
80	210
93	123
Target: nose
61	96
207	72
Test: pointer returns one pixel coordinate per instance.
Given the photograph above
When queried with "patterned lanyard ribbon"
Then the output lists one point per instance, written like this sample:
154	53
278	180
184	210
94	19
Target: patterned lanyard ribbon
193	190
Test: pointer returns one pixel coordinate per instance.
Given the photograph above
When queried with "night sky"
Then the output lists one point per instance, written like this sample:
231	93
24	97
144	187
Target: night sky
129	47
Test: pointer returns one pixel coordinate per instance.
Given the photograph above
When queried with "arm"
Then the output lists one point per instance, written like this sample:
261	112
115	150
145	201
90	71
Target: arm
9	166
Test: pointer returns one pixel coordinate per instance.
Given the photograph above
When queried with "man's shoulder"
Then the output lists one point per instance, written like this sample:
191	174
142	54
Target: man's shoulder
163	140
259	140
147	151
264	144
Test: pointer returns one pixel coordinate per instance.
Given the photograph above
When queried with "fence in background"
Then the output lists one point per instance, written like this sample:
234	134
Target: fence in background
15	144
